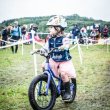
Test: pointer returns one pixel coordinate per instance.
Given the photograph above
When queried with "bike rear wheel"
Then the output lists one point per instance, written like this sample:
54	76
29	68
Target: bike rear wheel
38	98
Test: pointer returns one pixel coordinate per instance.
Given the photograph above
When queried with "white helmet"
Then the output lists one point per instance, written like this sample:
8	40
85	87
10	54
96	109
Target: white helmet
57	21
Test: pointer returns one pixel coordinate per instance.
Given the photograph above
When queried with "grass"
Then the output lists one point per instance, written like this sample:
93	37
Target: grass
93	79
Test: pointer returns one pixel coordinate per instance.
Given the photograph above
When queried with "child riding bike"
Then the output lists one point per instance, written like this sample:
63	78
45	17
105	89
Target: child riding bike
60	59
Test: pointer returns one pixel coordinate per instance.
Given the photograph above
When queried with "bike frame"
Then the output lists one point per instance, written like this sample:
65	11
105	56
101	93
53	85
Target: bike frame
48	71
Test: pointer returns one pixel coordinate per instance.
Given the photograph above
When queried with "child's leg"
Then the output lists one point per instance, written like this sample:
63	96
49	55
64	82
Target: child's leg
67	70
54	66
64	76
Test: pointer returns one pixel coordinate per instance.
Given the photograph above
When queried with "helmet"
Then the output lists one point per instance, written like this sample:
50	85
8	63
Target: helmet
31	25
34	25
57	21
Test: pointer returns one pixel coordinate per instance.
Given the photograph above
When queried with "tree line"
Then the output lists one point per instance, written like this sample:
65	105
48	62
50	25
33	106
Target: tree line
41	21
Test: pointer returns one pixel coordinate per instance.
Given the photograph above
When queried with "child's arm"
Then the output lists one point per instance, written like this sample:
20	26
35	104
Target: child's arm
46	46
44	49
66	44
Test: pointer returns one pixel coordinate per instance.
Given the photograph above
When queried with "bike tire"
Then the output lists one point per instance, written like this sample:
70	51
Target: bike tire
31	93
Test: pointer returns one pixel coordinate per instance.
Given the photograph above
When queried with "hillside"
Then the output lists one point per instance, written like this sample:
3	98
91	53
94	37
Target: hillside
41	21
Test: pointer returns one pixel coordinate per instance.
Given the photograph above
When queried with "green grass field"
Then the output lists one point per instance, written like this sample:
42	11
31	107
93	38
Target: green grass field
93	79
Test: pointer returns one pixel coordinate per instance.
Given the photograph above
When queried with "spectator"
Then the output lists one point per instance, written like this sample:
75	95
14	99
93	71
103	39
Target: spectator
33	29
16	34
105	32
23	31
5	35
93	34
98	33
83	35
75	32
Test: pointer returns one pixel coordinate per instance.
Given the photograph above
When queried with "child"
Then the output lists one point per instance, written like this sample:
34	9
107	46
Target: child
60	59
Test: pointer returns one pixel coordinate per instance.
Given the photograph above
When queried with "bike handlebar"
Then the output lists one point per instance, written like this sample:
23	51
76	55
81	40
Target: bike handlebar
43	53
34	52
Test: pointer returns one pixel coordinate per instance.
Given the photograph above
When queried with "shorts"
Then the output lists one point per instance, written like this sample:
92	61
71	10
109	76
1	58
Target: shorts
66	66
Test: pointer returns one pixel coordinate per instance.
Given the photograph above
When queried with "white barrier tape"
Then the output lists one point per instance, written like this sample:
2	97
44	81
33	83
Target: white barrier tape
20	42
89	39
43	33
15	43
104	40
39	43
38	33
79	49
12	40
73	47
5	41
107	41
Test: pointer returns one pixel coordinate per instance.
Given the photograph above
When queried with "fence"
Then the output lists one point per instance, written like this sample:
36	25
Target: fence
34	42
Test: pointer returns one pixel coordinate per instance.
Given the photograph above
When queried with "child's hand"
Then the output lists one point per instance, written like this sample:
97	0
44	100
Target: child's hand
61	47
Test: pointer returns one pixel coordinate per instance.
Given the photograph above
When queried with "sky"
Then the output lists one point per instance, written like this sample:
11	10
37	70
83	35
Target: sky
97	9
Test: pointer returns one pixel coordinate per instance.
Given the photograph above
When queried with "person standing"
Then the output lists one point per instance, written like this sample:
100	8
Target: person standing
33	29
16	34
4	36
23	31
105	32
75	32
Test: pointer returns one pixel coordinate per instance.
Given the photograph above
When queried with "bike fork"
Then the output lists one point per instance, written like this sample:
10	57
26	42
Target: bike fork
47	86
48	83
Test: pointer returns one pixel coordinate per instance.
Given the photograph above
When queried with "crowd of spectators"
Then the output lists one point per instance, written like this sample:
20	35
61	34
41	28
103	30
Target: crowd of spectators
95	32
15	32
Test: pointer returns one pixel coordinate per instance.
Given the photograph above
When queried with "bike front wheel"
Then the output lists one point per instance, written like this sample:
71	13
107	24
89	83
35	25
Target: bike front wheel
38	98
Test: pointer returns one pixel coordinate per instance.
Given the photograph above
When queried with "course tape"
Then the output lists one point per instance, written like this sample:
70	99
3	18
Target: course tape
16	43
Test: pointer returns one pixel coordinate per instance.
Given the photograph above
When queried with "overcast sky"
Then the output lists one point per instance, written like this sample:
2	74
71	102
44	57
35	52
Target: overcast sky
97	9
